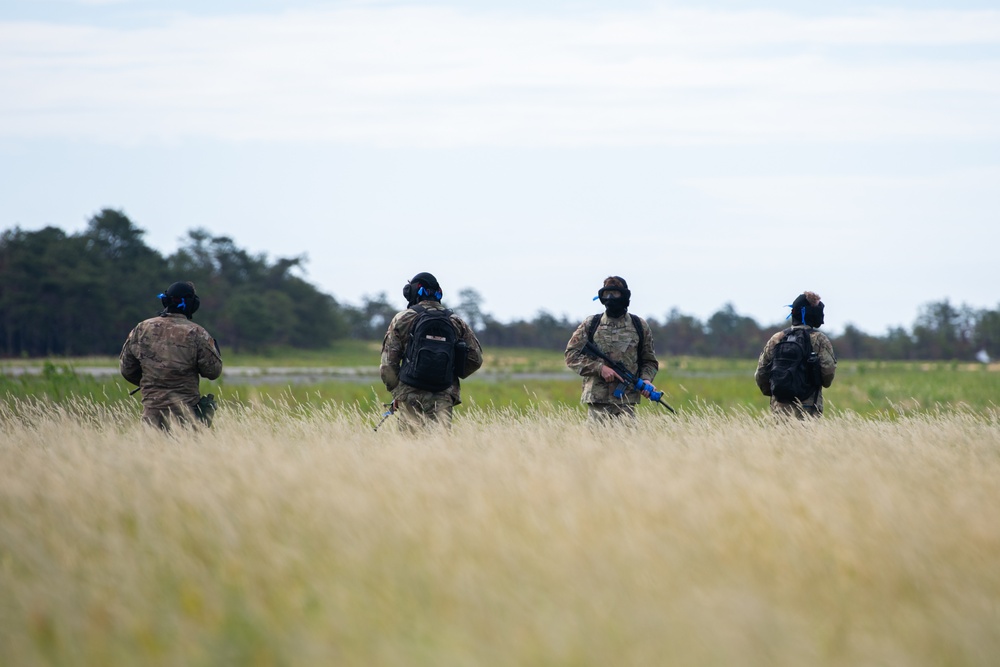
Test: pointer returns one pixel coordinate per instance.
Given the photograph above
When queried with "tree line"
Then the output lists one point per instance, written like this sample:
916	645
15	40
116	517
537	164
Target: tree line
80	294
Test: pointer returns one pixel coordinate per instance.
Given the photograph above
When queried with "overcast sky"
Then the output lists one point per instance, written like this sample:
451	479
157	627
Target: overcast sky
709	152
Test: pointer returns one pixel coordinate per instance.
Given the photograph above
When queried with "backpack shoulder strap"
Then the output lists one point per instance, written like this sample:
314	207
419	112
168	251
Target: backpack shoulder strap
594	322
809	340
638	329
784	336
419	310
450	316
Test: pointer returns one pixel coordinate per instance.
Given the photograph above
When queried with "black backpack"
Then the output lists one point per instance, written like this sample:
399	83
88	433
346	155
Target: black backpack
429	359
794	367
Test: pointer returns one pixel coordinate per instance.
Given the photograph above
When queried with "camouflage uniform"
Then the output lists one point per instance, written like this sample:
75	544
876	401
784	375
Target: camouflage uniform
165	355
616	337
418	406
828	367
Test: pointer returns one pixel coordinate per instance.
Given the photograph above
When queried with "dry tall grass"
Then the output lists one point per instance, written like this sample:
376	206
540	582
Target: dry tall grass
281	537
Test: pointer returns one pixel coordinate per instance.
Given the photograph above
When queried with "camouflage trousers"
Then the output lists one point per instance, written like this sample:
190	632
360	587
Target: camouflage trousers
424	410
609	413
164	418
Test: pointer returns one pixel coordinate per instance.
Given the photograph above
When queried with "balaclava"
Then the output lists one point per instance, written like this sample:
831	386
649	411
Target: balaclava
618	305
422	287
807	309
180	298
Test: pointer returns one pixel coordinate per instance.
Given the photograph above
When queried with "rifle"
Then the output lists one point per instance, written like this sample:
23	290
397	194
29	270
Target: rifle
629	378
388	413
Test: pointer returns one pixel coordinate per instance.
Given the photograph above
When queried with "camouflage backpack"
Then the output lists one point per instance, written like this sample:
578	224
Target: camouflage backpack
429	361
794	367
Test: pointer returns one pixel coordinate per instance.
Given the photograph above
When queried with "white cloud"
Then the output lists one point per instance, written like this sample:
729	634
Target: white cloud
434	76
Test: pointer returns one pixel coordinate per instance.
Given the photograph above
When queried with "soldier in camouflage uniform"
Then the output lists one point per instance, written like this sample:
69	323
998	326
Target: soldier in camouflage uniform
807	313
419	407
618	335
165	355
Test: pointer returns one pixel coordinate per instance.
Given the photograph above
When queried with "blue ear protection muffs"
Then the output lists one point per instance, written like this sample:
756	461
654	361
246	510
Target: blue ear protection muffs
180	298
423	283
181	306
423	292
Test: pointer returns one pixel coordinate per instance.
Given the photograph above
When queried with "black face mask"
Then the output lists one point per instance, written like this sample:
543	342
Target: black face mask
616	307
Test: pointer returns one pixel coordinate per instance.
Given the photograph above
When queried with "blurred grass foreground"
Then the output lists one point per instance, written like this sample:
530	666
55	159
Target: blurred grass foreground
292	536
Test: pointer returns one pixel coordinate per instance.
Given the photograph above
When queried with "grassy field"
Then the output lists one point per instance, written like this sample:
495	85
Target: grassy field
295	535
530	380
291	533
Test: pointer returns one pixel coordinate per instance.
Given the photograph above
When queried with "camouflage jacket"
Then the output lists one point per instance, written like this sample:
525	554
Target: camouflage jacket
617	338
394	346
165	356
827	362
